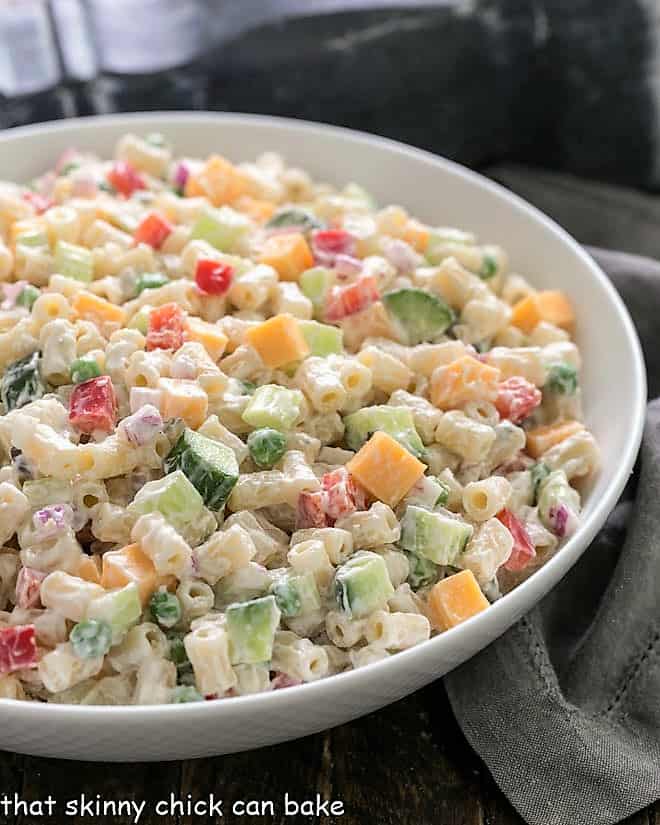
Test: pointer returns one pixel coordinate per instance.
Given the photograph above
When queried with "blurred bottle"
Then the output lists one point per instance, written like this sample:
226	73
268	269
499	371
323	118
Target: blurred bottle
149	53
30	66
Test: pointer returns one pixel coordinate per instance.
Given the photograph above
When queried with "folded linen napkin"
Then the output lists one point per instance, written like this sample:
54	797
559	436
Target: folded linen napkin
564	709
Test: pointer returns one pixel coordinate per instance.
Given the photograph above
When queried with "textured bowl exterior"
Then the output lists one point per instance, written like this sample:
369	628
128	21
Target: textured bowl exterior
441	193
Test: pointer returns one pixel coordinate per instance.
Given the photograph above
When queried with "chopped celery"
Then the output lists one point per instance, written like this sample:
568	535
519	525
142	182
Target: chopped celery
173	496
209	465
251	628
397	422
27	296
223	228
438	537
21	383
266	446
82	369
295	217
562	379
314	284
74	261
362	584
296	594
322	339
121	609
273	406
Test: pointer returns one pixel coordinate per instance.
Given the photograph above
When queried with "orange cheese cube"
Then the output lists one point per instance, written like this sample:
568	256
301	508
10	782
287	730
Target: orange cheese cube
92	308
255	208
130	564
465	379
289	254
210	336
385	468
89	569
278	341
540	439
455	599
551	306
218	180
183	399
417	235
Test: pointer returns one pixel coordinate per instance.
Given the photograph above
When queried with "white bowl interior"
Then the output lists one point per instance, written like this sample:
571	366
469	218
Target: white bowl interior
441	193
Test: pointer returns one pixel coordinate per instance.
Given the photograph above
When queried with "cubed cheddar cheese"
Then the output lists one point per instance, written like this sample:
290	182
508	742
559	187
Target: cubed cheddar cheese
210	336
89	569
455	599
130	564
183	399
417	235
551	306
91	307
385	468
255	208
465	379
218	180
540	439
279	341
289	254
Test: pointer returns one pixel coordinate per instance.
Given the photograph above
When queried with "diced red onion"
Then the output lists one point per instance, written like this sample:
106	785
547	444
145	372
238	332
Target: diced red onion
401	255
51	521
283	680
181	175
346	266
11	293
143	426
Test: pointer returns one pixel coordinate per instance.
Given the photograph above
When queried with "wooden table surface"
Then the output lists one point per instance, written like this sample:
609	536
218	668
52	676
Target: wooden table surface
408	764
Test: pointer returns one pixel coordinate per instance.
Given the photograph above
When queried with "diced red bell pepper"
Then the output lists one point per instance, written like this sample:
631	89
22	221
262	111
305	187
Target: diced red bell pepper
153	230
213	277
328	243
93	405
310	511
166	327
347	300
18	648
39	202
342	495
28	587
523	549
516	399
125	178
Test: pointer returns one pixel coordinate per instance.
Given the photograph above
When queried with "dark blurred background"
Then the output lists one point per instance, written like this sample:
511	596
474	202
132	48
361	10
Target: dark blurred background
569	86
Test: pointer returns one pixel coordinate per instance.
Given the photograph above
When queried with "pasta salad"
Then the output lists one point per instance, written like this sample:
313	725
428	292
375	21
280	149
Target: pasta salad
256	430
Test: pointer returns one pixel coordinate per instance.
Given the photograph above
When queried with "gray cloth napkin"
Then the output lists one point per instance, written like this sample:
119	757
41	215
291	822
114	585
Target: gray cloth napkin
565	707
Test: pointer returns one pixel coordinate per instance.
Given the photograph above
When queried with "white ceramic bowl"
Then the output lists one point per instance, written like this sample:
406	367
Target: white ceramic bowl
436	191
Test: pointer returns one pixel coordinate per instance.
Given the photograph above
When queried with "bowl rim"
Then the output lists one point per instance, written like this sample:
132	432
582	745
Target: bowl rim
516	601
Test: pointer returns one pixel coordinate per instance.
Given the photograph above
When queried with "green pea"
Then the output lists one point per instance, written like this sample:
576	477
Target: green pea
177	652
266	446
488	268
150	280
183	694
91	638
562	379
165	608
82	369
27	296
539	473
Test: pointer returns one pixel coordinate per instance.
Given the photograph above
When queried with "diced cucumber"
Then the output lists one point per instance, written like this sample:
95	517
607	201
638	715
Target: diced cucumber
419	315
244	584
438	537
251	628
173	496
82	369
362	584
428	492
150	280
314	284
554	491
539	472
21	383
322	339
209	465
74	261
422	571
296	595
121	609
294	216
397	422
562	379
223	228
27	296
266	446
273	406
